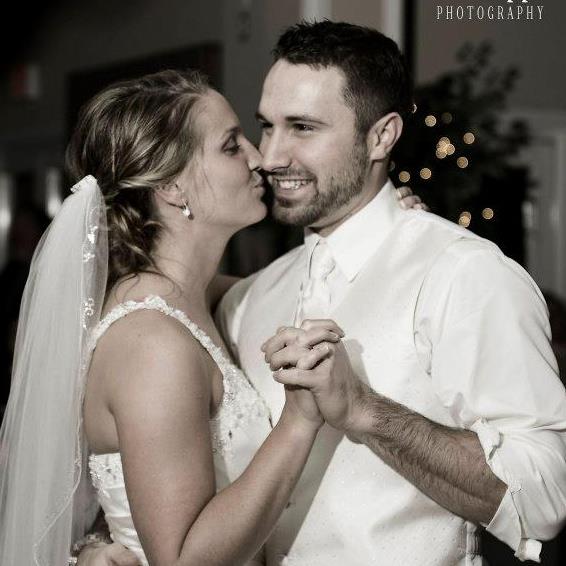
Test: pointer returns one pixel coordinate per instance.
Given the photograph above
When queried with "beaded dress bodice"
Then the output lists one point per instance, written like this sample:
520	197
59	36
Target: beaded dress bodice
238	428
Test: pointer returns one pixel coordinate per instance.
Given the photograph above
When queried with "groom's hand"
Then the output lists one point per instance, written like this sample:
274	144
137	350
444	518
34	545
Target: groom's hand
337	390
301	347
290	344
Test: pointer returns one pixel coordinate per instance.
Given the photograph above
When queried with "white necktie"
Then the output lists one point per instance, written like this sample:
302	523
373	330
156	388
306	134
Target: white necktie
315	298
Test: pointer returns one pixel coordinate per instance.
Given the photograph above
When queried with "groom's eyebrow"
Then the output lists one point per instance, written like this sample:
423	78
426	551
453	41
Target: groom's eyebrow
294	118
305	118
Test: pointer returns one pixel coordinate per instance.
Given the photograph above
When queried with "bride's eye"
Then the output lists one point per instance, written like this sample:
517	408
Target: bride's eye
232	148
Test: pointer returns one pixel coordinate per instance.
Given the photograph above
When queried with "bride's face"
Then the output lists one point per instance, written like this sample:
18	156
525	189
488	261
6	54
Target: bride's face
222	186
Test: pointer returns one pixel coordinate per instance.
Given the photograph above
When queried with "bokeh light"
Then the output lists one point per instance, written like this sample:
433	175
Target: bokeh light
488	213
430	121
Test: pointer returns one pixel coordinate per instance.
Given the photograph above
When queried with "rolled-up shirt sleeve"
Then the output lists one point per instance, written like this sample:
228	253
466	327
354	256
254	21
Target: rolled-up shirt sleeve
482	328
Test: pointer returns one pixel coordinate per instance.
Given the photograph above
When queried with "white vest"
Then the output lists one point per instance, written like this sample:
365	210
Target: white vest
349	508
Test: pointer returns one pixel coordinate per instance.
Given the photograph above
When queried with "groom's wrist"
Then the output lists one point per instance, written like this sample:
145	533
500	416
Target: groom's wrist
361	420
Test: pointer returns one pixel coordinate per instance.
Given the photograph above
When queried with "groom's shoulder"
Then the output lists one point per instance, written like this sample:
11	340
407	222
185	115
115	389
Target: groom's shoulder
463	258
452	249
280	267
234	302
439	237
428	222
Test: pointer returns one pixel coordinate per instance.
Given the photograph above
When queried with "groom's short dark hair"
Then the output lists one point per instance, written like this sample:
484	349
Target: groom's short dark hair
377	79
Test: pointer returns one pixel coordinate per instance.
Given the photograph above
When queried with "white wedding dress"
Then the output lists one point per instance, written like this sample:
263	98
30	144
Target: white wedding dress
240	425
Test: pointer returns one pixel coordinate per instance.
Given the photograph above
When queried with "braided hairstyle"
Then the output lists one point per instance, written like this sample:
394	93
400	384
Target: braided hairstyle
135	136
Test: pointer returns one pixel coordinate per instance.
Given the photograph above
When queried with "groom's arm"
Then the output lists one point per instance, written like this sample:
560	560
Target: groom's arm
491	365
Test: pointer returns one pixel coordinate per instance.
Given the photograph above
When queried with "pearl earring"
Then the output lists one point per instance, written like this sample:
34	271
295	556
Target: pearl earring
186	210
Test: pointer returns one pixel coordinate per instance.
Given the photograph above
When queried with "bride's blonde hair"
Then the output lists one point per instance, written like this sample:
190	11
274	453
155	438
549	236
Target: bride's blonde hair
135	136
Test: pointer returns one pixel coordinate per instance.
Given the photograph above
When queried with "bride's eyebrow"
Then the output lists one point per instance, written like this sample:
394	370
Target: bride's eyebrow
230	132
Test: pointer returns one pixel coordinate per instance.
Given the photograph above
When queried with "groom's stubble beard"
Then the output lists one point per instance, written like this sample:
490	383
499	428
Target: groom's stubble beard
342	187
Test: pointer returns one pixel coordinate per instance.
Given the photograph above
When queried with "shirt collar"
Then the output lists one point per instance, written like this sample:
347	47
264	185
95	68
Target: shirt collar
356	240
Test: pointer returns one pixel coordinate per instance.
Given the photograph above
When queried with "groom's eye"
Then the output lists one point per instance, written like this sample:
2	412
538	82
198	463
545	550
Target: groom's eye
303	127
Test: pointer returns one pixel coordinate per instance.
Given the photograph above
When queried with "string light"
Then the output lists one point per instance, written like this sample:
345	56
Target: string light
430	121
469	138
465	219
404	176
447	117
488	213
450	149
462	162
442	147
426	173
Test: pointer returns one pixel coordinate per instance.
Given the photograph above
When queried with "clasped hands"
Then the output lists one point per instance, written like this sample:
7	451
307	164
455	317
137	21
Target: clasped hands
320	384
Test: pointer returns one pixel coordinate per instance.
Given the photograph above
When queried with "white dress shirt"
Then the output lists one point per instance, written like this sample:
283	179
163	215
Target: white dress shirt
441	321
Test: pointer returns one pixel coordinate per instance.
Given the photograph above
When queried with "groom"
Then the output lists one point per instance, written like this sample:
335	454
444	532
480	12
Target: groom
443	404
445	407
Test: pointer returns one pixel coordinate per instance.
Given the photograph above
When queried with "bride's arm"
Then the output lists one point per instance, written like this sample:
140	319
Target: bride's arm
160	398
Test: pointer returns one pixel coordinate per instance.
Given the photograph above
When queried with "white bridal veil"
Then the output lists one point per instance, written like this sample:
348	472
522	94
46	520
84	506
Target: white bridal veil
45	496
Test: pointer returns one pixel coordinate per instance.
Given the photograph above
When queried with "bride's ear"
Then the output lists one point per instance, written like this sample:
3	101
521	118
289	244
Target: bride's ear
171	194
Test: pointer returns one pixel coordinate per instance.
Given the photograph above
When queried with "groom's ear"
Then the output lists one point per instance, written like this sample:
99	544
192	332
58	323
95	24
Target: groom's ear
383	136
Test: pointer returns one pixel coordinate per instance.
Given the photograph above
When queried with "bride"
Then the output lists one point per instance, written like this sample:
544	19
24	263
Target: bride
119	370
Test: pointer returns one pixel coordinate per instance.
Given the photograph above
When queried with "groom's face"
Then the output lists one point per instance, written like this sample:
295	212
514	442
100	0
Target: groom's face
316	161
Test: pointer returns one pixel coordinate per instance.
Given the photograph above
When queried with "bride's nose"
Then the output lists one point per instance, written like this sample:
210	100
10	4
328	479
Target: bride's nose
254	157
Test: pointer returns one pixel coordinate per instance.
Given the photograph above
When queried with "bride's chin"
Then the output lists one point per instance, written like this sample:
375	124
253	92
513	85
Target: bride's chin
258	215
262	213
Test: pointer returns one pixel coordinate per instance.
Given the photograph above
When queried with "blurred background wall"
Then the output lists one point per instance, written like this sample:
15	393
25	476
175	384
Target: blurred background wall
537	49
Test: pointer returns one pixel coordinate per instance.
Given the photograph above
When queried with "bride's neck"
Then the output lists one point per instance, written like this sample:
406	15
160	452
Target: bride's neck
191	259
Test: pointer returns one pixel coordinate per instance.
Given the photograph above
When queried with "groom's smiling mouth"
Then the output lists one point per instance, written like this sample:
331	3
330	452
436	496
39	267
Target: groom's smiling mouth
286	185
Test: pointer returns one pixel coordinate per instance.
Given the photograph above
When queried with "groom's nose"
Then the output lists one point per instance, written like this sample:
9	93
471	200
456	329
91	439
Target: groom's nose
275	152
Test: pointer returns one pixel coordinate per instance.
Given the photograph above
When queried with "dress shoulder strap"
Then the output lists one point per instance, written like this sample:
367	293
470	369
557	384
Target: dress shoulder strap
154	302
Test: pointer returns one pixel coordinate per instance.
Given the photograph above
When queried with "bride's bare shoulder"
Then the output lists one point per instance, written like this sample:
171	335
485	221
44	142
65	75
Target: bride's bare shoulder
146	333
147	351
139	286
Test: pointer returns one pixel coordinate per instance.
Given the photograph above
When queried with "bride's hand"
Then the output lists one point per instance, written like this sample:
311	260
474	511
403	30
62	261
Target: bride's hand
102	554
408	200
302	348
300	403
301	408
